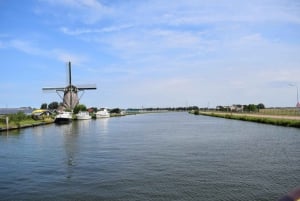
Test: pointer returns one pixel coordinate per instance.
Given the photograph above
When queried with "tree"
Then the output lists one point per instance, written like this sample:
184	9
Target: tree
44	106
221	108
252	108
53	106
116	111
79	107
261	106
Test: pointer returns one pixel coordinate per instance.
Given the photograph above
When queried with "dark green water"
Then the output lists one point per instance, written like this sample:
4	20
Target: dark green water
168	156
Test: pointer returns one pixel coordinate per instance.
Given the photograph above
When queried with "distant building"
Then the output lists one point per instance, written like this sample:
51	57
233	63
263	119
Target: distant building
25	110
233	108
237	108
40	113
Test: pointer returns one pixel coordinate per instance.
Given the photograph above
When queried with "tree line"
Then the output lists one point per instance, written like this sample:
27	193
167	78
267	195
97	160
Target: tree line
149	109
51	106
55	105
80	107
242	108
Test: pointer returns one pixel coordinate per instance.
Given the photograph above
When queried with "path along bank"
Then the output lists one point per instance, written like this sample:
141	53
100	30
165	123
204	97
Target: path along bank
280	120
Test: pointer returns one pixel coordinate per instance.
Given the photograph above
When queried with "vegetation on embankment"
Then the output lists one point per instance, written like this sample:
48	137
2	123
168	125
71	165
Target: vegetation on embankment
275	120
21	120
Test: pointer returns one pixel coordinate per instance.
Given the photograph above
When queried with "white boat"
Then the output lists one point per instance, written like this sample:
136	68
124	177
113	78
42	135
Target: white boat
63	118
102	113
83	116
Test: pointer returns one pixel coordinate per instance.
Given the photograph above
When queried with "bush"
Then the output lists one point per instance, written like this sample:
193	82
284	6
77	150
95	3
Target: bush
196	112
115	110
79	107
18	117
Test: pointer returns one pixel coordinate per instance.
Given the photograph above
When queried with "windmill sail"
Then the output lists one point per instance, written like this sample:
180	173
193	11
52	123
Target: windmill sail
70	97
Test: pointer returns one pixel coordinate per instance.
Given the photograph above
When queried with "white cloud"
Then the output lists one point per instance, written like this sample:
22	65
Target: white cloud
180	12
31	48
216	27
280	76
85	11
25	46
65	56
253	38
82	31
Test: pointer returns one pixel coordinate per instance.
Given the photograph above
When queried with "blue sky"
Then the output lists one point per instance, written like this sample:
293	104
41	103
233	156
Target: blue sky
154	53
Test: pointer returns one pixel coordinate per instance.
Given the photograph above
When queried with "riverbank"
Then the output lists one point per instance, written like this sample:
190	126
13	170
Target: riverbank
25	124
279	120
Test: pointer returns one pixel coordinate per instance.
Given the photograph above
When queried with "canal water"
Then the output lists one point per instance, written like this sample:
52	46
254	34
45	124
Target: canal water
167	156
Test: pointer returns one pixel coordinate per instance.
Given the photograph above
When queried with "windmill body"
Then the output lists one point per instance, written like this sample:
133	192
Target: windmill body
70	93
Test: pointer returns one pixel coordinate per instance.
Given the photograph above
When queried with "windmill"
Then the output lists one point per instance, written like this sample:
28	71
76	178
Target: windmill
70	93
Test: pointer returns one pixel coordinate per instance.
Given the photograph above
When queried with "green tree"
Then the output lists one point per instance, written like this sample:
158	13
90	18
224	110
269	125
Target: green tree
44	106
116	111
54	105
261	106
252	108
79	107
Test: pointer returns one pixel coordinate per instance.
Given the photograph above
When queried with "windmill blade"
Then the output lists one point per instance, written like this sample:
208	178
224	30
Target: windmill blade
86	87
70	73
53	88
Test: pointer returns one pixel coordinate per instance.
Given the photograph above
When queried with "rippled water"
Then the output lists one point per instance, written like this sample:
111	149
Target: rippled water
168	156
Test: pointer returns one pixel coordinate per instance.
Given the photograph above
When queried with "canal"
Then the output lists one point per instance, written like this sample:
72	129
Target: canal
166	156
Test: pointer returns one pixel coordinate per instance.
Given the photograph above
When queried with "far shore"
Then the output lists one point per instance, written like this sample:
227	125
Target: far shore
280	120
256	115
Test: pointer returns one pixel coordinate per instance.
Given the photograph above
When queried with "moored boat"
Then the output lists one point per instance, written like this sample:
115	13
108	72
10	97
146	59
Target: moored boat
102	113
83	115
63	118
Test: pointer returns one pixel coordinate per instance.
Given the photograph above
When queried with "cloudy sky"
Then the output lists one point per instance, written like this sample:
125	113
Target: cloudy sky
151	53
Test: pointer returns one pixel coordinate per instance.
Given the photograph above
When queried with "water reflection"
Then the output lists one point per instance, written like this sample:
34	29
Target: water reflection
82	124
103	123
15	132
71	146
73	136
39	130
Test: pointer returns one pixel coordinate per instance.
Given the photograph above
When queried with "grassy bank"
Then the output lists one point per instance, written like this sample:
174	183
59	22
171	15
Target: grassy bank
17	121
275	120
23	124
280	111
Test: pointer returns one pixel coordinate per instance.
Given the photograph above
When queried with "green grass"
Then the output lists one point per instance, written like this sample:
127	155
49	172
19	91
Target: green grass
23	123
264	120
281	111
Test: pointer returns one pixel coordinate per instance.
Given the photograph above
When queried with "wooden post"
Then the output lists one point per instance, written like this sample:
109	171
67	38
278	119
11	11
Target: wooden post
7	119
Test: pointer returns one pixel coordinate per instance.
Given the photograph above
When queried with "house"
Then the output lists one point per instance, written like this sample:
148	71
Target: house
237	108
40	114
232	108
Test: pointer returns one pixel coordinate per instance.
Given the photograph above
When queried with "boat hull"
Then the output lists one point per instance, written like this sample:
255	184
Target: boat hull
83	116
99	116
62	120
102	114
